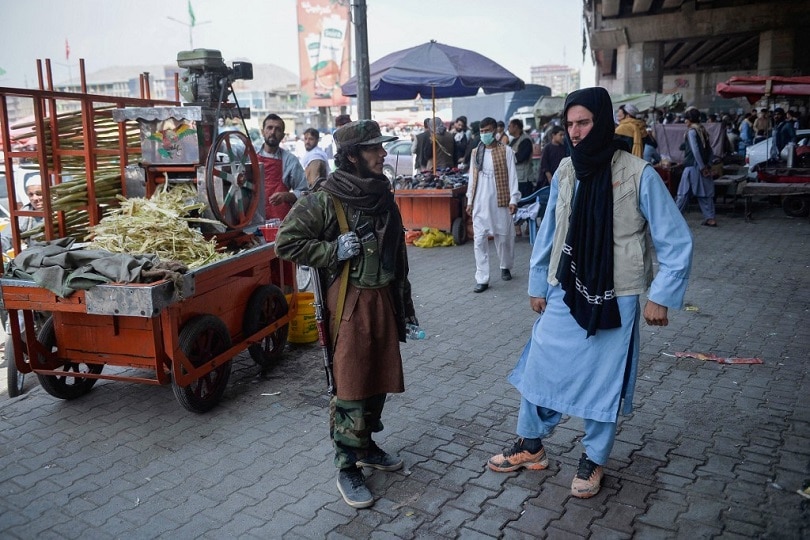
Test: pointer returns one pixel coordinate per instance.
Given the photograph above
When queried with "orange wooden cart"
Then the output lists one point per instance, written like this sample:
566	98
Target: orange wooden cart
442	209
185	333
186	337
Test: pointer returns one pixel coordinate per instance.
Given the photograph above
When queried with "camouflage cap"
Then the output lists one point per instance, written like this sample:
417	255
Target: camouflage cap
361	132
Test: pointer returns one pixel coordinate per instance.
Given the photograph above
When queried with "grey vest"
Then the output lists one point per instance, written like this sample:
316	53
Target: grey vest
632	245
523	170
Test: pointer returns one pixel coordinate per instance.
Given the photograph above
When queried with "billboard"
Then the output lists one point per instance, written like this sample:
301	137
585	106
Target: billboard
323	51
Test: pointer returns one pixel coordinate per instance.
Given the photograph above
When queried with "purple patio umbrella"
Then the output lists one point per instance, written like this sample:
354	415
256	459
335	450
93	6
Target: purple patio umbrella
436	70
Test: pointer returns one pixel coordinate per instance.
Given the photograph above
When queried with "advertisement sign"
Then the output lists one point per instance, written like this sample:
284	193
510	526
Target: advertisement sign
323	51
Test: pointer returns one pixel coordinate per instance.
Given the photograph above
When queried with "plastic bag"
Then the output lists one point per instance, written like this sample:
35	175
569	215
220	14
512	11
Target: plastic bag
433	238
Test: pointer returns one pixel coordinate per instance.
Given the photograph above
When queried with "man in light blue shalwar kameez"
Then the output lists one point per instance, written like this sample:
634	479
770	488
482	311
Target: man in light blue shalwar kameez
591	261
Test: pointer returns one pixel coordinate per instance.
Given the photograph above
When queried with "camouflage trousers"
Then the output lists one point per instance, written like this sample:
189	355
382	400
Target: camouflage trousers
351	424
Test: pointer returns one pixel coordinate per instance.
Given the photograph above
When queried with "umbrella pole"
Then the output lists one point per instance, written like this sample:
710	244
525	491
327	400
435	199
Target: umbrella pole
433	122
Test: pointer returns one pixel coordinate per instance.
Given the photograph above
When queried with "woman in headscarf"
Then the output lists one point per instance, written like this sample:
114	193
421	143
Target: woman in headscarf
590	262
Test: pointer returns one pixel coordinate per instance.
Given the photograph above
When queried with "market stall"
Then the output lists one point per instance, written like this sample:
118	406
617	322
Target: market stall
436	70
436	202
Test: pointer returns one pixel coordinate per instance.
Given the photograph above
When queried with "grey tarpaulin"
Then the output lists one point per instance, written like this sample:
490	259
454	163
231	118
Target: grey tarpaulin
63	269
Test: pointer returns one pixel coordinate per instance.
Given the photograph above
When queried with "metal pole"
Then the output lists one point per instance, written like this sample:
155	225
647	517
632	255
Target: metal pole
361	62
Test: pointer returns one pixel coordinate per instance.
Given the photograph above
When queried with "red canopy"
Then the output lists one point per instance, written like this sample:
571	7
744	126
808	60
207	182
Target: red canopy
754	87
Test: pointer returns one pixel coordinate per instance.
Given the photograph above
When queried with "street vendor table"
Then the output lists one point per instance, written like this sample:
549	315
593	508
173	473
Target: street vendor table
441	209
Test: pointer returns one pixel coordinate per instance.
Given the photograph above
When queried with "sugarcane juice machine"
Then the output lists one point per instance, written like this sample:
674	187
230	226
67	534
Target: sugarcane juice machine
183	144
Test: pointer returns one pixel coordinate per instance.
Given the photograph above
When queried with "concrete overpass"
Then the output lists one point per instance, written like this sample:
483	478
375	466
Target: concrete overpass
688	46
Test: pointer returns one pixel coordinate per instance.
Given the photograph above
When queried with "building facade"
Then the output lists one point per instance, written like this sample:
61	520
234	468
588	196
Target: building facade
561	79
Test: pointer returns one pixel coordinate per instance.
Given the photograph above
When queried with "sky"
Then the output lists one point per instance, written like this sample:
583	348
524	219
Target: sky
517	34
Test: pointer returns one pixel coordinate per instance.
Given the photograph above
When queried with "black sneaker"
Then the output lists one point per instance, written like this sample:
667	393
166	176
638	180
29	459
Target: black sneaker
588	479
378	459
516	457
352	486
506	275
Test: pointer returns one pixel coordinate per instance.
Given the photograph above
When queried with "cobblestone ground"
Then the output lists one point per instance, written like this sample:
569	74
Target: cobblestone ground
711	450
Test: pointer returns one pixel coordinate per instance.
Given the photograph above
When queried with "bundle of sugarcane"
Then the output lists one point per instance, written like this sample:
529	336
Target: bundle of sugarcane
76	226
72	194
71	134
160	225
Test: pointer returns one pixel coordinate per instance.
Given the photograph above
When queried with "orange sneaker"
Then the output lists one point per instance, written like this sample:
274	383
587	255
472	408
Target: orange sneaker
516	457
588	479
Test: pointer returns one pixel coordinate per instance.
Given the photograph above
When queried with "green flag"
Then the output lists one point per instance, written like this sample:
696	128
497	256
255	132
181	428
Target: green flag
191	14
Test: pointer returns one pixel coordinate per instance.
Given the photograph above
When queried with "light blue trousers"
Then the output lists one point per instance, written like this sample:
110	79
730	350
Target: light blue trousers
535	422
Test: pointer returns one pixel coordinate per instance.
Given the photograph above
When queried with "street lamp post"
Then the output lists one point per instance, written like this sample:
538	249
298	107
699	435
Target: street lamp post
361	67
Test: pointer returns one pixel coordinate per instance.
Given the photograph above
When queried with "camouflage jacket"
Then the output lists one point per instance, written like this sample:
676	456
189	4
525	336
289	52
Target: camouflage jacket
308	236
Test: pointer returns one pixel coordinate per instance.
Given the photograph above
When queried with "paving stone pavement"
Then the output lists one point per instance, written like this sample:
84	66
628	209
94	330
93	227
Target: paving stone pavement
710	451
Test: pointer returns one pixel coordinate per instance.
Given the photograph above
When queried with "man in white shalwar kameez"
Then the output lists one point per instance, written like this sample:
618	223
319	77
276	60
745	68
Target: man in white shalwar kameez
591	260
492	199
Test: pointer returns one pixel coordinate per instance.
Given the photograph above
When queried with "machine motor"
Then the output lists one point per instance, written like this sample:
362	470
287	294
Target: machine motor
206	78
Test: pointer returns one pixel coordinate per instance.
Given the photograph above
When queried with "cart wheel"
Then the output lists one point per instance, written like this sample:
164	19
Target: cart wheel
459	230
303	277
231	179
201	339
16	380
796	206
267	304
64	386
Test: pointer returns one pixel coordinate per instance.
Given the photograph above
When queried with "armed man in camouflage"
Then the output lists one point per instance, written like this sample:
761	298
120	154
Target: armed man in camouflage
378	304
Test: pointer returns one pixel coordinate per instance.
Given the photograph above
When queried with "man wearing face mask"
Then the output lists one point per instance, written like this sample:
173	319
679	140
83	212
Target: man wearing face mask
284	178
492	199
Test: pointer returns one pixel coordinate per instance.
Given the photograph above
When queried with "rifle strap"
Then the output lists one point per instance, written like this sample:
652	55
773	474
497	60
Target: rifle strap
344	273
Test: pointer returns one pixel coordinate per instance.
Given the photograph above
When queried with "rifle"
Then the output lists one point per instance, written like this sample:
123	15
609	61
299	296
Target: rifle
322	323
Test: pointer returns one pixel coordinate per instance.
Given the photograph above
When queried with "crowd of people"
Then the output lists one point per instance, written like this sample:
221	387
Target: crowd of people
609	219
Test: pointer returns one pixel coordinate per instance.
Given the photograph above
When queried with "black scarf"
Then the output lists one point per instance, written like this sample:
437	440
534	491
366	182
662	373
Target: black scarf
373	197
585	271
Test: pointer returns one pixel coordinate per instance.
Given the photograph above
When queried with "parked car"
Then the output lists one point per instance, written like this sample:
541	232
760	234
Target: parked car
399	161
757	154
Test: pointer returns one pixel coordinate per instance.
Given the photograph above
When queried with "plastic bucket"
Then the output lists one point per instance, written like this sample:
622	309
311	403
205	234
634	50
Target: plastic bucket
303	328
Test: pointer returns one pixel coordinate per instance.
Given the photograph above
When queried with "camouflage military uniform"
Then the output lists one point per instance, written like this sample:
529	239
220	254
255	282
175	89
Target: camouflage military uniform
367	362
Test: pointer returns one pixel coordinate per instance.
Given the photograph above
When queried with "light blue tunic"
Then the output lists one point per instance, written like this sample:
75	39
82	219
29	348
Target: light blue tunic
562	370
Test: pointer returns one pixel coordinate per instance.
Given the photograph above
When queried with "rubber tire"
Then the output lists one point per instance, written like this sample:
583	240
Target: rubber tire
266	305
56	385
15	379
202	338
796	206
459	231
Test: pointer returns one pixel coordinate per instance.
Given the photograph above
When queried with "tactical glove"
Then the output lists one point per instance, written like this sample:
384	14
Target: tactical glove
348	246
